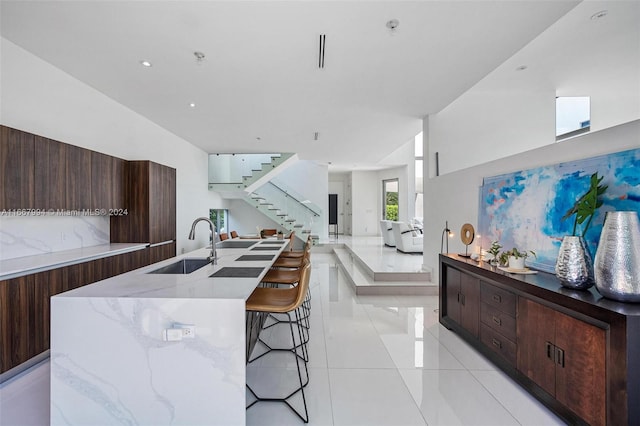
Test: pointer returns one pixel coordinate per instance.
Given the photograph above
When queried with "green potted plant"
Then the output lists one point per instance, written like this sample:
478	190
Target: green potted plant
586	206
494	251
574	265
515	258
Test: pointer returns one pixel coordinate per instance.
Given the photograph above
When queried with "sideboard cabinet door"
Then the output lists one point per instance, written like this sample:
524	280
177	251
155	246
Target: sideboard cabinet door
564	356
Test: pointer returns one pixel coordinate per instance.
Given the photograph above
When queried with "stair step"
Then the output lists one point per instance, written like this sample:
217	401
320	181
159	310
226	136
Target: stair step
298	226
290	220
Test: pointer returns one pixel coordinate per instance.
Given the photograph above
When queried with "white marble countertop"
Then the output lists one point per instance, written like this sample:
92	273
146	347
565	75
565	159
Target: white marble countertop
196	285
20	266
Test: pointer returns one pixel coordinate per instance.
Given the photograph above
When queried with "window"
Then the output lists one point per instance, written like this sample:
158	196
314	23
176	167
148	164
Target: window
390	199
419	208
220	218
573	116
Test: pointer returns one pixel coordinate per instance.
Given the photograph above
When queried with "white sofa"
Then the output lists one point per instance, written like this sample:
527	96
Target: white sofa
387	233
408	239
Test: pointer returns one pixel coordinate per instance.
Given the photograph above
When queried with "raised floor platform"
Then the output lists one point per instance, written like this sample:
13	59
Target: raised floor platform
374	269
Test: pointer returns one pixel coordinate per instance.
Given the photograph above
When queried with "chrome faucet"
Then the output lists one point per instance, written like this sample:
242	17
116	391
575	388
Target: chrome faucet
192	236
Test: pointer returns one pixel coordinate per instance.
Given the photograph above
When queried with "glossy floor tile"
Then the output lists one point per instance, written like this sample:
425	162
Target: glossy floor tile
374	360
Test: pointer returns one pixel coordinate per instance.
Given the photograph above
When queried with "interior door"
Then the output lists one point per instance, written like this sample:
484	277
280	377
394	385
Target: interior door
337	188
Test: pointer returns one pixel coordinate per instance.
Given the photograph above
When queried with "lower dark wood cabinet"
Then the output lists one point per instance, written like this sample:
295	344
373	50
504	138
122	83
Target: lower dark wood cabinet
25	302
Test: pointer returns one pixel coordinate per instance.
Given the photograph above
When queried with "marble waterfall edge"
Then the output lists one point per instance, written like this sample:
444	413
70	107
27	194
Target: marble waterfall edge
114	367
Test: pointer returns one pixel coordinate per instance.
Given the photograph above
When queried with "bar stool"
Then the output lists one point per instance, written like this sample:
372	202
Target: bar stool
288	301
224	236
288	277
234	234
297	253
292	262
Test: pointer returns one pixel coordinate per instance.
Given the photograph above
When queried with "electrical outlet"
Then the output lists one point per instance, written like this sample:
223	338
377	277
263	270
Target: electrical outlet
188	330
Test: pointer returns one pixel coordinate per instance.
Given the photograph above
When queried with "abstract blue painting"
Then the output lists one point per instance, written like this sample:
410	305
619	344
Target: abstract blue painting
524	209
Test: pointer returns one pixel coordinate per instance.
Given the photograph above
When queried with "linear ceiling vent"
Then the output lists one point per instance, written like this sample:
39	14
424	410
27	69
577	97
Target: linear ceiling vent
321	51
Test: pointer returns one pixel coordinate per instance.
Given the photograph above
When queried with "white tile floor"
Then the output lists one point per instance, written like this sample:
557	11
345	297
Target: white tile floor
374	360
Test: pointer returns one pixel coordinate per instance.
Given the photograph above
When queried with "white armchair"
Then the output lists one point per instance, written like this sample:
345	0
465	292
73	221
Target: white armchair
387	233
408	239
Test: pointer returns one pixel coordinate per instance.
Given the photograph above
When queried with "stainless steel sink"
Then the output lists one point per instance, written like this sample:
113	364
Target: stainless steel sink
183	266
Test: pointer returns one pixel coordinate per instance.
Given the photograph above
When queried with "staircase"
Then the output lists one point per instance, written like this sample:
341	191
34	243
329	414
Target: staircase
230	174
248	177
284	208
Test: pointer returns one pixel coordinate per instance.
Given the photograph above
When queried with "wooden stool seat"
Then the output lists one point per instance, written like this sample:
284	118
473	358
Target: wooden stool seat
282	276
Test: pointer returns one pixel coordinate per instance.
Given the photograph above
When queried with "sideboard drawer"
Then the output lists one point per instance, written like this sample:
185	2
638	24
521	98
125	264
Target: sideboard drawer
499	321
498	343
501	299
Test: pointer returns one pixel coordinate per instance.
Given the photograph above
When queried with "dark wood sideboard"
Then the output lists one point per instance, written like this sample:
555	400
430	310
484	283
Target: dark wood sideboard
575	351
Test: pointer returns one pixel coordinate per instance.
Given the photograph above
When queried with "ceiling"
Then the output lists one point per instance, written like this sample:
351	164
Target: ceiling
259	87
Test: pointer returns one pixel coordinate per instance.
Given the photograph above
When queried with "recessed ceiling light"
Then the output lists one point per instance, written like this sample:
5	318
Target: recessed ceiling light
521	68
599	15
146	64
192	105
393	24
258	138
316	135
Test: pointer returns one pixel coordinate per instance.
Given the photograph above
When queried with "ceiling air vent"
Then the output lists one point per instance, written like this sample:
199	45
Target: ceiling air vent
321	51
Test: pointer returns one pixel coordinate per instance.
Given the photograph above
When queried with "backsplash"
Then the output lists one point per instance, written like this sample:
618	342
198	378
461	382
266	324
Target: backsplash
33	235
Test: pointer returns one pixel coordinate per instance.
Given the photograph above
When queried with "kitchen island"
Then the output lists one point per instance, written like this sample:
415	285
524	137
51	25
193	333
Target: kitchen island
157	348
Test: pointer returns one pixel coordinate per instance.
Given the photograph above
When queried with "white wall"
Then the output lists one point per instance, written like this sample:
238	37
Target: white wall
366	192
454	196
41	99
406	172
511	111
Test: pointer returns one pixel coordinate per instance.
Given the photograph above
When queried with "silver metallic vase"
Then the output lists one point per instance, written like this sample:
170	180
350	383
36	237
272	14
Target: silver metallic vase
617	263
574	266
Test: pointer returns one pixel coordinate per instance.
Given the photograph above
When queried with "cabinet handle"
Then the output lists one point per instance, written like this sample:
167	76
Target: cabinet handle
497	320
497	298
497	343
458	297
550	349
462	299
560	357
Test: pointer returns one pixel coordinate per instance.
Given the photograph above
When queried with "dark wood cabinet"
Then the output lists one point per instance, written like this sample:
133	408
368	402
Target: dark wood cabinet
160	252
151	192
51	174
41	173
78	187
17	169
108	179
463	300
25	302
564	356
17	321
573	350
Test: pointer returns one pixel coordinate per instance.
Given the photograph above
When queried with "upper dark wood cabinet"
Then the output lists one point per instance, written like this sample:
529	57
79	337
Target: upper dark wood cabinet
51	174
17	169
151	204
78	191
107	181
